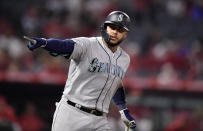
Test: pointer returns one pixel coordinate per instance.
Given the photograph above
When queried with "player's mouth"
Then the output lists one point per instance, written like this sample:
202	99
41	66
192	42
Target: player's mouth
114	38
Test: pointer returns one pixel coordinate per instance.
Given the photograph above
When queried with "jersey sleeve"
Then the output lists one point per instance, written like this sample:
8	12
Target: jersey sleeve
80	48
127	62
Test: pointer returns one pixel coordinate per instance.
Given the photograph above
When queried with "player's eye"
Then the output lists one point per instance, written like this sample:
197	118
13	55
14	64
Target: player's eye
121	30
116	27
113	27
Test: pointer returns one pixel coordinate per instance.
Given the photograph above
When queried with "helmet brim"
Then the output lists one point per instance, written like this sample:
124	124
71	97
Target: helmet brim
116	23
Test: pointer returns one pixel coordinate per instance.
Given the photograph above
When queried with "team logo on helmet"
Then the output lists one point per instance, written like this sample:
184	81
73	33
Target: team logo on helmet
120	17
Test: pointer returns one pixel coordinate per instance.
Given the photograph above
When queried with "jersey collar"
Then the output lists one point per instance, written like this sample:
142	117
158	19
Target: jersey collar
116	53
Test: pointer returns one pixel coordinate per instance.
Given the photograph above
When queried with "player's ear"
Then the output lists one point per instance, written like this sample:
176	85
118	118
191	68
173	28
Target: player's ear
125	34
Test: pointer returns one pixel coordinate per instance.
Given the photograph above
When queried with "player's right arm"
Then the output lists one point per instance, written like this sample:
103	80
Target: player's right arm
55	46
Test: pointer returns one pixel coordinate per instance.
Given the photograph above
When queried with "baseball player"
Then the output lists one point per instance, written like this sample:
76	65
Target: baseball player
97	67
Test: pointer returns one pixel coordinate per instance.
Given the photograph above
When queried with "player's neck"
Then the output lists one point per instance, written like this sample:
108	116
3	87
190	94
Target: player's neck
112	48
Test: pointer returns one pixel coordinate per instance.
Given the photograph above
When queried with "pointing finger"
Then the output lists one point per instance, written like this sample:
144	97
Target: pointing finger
29	39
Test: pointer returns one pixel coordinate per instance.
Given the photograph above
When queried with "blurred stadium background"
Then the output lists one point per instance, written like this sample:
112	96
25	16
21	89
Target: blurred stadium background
164	84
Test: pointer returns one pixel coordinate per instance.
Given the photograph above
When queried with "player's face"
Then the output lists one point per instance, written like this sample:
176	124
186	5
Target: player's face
116	33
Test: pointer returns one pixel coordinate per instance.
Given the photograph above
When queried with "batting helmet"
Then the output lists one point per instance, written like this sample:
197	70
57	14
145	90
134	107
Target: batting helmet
118	18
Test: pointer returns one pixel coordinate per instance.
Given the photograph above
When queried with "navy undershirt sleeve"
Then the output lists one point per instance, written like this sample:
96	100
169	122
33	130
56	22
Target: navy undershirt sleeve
60	47
119	98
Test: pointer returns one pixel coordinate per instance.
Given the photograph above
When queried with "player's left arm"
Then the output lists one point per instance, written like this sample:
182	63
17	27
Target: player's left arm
119	100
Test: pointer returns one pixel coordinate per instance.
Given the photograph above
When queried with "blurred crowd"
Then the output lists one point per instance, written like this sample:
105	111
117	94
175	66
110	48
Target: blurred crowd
28	120
165	41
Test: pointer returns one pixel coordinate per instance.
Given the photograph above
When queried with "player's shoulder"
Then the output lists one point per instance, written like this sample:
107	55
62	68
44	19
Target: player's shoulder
125	59
125	55
84	40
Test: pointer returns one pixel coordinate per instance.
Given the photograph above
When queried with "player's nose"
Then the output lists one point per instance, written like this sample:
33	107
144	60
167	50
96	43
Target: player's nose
115	31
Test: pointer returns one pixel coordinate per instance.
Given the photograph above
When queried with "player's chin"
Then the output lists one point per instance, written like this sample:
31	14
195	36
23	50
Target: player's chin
114	41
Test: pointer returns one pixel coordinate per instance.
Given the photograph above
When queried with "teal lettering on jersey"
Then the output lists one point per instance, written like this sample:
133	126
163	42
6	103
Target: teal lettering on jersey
96	66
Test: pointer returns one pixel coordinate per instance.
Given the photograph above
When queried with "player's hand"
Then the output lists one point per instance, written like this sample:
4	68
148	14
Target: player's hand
34	43
127	119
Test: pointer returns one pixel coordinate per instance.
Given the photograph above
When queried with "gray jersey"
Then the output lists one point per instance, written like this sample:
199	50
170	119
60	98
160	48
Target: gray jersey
95	73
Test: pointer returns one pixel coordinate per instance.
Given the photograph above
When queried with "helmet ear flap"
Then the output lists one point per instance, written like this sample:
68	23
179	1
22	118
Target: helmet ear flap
104	34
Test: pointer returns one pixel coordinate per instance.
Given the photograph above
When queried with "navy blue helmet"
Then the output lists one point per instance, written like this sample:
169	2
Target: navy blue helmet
118	18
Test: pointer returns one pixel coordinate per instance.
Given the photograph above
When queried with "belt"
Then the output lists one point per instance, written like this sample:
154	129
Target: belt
85	109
